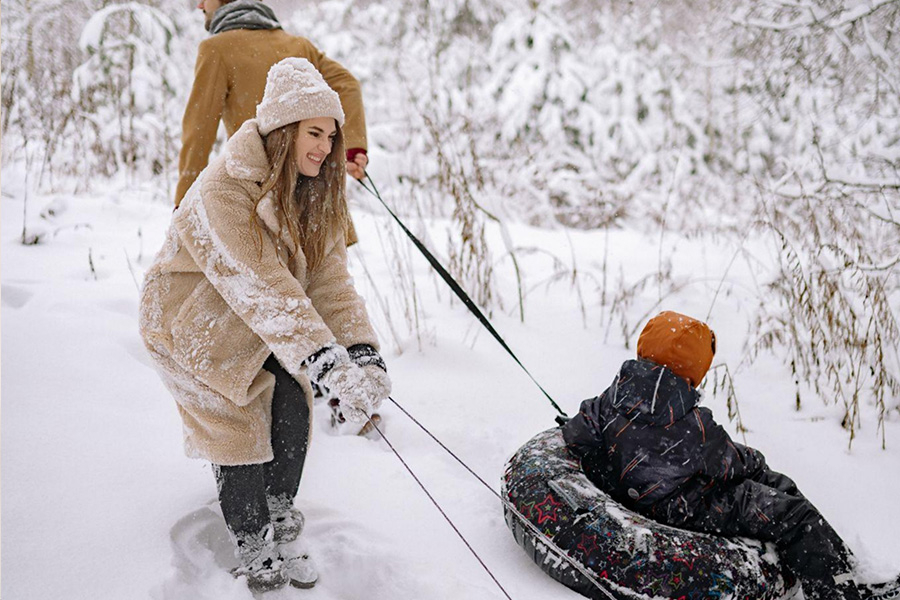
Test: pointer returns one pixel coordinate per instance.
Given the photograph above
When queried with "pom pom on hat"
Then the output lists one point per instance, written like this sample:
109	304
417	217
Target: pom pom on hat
295	91
680	343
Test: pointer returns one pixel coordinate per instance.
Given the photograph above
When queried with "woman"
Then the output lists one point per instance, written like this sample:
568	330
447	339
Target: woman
249	300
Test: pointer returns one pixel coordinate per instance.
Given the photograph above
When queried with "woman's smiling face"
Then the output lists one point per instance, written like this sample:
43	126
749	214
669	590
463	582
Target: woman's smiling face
315	137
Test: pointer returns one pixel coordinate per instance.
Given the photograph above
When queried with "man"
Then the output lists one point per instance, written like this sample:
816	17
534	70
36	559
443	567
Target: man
230	77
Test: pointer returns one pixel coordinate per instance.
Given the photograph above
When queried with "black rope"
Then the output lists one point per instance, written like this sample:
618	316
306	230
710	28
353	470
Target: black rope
509	505
438	506
461	294
450	452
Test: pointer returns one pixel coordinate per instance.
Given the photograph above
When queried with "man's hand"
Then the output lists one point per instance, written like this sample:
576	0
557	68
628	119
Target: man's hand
356	162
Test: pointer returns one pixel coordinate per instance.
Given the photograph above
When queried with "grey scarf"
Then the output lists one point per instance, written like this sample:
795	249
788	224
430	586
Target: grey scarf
243	14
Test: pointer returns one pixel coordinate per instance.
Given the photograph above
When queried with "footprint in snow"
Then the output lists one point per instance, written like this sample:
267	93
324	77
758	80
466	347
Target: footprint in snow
14	296
354	561
202	557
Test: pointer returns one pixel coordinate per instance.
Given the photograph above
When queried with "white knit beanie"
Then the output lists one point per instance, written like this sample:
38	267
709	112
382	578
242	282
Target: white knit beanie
295	90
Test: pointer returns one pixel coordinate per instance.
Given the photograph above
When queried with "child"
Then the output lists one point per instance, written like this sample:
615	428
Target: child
647	443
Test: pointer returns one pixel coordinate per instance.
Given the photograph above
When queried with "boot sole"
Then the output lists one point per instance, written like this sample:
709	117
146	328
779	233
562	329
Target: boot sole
266	587
261	586
303	585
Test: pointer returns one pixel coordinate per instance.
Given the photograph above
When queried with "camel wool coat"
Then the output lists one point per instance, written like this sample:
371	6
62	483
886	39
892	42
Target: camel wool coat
220	298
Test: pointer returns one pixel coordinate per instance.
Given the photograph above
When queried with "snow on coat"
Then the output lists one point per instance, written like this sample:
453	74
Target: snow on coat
646	442
220	298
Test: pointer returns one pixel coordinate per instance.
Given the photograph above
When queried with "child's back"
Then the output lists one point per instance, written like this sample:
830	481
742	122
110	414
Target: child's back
645	441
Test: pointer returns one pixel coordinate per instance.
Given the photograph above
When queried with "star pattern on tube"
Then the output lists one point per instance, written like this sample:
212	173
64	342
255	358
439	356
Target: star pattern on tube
547	510
588	544
527	509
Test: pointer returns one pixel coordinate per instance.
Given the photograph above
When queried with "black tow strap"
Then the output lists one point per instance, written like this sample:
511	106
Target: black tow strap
462	295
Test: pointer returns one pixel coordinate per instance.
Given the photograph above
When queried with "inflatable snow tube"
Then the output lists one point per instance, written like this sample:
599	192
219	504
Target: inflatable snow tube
628	555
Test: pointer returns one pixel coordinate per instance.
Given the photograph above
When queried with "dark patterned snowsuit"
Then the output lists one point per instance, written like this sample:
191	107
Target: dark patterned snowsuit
647	443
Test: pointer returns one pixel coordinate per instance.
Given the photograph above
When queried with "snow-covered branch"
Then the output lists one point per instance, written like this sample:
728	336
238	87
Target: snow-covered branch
813	18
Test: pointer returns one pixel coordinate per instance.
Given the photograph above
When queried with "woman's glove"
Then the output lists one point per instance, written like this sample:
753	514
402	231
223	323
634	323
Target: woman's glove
348	383
332	368
367	358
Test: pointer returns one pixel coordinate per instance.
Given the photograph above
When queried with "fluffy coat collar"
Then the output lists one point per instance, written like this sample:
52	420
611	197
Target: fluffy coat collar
245	154
245	159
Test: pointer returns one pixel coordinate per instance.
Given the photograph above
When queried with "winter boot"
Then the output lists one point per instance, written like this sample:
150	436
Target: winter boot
341	426
261	563
301	571
847	587
880	591
287	520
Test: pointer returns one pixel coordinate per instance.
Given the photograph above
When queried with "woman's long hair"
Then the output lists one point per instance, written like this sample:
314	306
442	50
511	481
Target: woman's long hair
314	209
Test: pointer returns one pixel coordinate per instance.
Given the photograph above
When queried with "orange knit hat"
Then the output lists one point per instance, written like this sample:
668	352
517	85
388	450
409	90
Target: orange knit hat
684	345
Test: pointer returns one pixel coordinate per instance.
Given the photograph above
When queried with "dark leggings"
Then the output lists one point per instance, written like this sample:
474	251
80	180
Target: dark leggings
768	506
243	488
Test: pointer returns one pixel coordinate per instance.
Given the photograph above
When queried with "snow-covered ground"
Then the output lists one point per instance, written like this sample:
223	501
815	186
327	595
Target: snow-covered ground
100	503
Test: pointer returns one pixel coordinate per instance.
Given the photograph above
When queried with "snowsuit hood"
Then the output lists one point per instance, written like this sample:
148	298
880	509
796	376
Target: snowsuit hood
669	400
645	441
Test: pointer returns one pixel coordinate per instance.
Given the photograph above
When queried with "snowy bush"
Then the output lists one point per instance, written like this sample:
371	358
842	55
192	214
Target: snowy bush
604	124
826	157
95	93
40	52
833	304
126	90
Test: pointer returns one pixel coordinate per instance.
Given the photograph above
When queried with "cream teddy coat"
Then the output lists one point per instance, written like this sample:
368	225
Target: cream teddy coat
218	300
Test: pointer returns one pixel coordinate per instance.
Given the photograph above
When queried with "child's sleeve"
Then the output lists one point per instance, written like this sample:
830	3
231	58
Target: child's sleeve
754	460
581	432
724	459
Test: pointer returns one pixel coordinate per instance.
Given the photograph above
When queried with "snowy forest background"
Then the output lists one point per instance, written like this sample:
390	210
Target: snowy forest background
742	121
579	164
